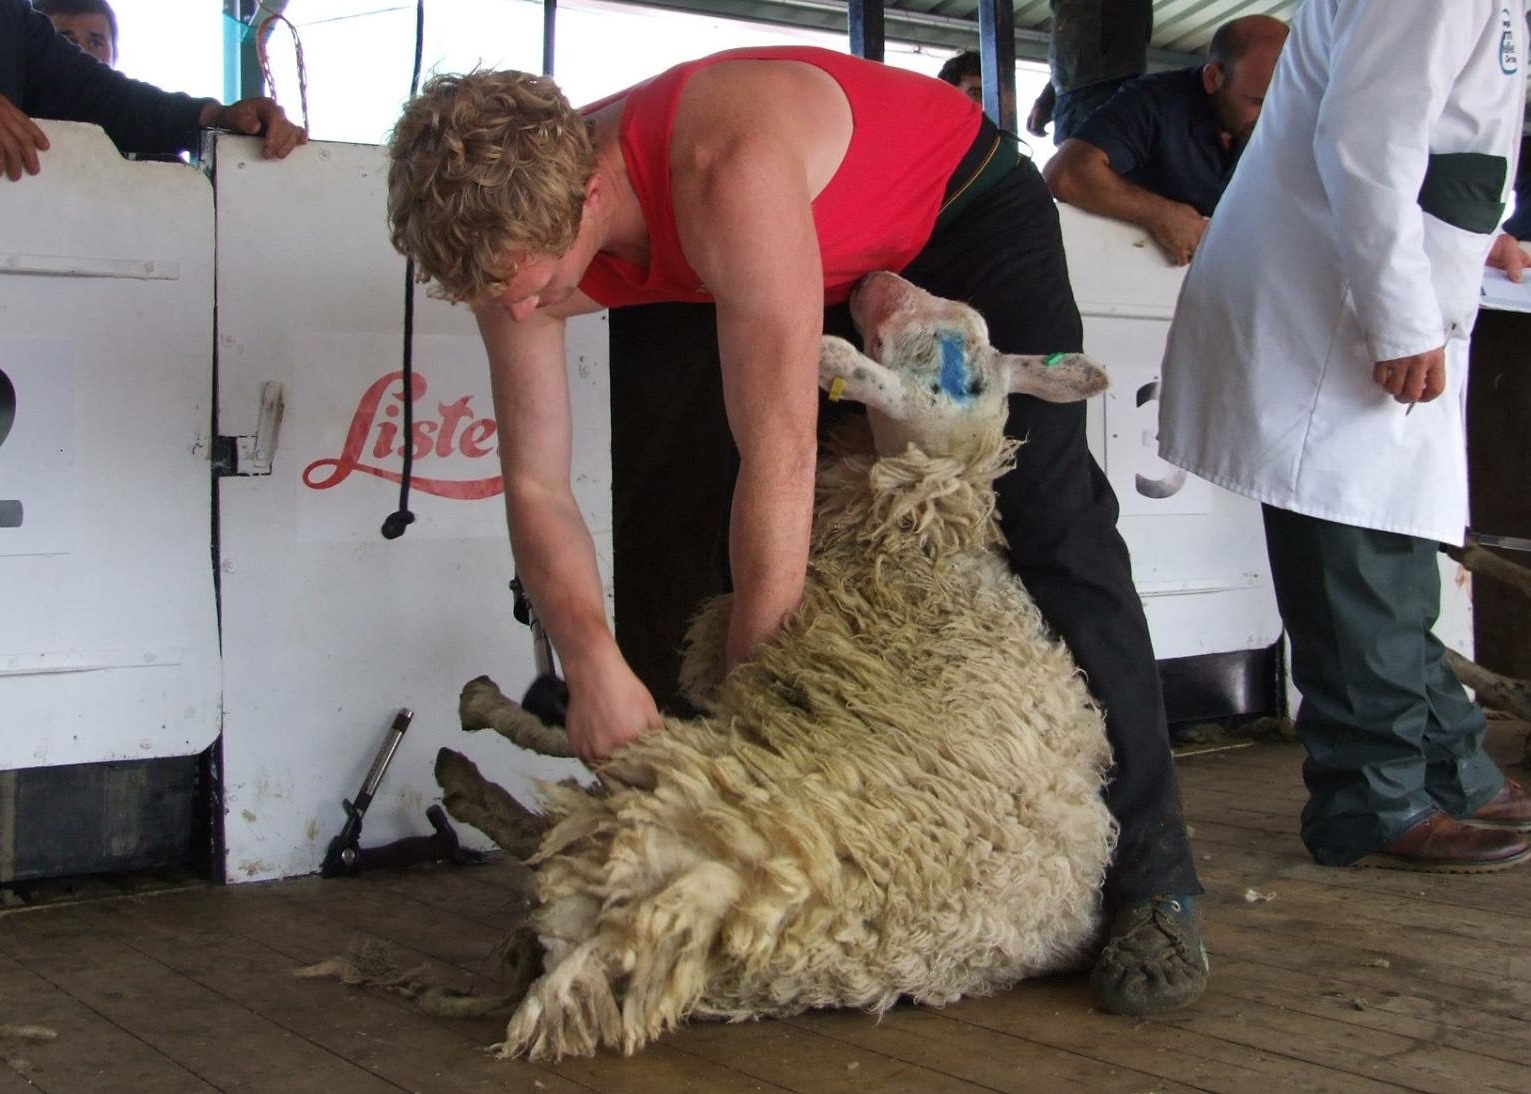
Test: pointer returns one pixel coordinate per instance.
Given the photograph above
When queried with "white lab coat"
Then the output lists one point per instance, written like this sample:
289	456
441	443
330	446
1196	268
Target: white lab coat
1320	262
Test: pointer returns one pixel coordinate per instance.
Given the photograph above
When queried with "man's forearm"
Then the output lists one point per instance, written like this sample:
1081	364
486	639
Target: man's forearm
1094	187
1081	175
768	551
555	560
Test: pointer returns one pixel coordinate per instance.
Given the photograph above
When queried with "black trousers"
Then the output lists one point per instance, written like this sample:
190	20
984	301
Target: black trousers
1004	255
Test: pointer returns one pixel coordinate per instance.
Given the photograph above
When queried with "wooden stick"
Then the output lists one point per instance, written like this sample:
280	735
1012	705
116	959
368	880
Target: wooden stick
1500	692
1482	561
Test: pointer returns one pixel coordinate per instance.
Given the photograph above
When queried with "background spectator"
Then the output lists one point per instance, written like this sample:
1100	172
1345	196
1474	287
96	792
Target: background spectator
89	24
965	73
1096	46
1340	279
1160	152
43	76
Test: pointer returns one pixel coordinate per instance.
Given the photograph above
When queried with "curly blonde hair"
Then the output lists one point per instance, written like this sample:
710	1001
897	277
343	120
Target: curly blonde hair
482	167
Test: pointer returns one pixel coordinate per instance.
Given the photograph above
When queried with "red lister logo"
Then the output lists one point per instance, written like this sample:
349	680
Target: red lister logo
374	434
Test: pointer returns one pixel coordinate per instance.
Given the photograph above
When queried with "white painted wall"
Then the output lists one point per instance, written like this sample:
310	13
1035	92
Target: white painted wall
108	641
328	628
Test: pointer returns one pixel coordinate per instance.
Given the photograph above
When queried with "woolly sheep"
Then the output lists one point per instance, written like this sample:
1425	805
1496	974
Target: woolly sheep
899	796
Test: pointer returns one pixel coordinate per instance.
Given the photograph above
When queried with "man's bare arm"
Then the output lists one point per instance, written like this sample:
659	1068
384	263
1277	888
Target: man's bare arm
1080	174
747	228
554	552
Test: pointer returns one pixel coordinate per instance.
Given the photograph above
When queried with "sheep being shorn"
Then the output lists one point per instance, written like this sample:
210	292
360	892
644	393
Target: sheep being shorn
898	796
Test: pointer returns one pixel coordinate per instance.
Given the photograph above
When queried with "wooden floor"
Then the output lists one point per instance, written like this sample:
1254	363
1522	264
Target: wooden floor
1323	980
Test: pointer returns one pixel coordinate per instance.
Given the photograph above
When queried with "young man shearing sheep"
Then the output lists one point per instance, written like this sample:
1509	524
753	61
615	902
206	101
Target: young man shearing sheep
766	182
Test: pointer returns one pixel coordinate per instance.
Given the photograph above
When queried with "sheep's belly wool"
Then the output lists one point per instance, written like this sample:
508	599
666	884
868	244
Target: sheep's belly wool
899	797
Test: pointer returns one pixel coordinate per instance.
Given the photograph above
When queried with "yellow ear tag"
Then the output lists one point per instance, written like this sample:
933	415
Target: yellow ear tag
836	389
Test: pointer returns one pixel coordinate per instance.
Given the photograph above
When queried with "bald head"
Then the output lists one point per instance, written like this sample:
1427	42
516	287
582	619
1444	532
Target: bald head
1240	62
1237	37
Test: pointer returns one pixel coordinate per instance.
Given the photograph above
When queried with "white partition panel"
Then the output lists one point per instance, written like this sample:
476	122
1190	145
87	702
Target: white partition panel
328	627
108	637
1198	551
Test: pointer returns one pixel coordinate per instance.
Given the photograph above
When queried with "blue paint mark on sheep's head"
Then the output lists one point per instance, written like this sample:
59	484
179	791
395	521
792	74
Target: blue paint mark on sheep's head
954	370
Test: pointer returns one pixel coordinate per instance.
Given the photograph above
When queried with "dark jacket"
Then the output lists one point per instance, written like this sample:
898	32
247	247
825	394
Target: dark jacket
44	75
1095	40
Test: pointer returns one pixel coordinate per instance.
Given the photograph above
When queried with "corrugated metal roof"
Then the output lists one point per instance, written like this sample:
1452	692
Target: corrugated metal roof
1182	28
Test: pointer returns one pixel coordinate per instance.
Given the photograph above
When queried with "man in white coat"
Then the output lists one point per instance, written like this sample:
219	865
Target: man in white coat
1318	363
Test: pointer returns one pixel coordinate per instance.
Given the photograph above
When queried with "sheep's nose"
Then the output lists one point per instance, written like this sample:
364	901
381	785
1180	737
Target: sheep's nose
869	283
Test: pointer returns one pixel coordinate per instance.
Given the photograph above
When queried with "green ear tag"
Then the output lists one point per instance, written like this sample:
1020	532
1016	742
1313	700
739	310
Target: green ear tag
1053	359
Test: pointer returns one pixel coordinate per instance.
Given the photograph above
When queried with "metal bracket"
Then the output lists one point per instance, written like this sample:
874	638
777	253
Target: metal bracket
253	454
1504	543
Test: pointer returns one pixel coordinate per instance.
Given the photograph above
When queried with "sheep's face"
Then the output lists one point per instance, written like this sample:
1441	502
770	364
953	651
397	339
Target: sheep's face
930	377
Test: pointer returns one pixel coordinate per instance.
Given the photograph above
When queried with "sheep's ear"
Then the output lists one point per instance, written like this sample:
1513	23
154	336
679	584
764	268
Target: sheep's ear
846	373
1057	378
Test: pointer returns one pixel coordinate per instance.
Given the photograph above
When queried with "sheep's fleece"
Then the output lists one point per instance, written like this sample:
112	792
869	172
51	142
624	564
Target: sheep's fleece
898	796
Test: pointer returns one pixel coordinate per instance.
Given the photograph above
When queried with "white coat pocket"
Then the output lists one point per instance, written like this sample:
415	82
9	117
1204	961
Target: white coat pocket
1456	272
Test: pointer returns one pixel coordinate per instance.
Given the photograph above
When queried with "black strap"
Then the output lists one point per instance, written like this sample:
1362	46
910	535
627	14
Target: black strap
991	155
1465	189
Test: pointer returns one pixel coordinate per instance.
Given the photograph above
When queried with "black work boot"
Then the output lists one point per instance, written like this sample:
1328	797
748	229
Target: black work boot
1153	959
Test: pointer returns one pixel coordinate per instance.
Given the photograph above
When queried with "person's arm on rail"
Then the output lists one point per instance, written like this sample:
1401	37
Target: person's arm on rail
1081	174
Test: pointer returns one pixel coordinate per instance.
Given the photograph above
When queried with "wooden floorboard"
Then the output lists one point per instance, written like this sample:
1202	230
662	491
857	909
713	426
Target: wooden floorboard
90	1055
1328	981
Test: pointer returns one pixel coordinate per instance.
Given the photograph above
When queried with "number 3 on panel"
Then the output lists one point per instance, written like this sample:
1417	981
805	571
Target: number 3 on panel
1169	484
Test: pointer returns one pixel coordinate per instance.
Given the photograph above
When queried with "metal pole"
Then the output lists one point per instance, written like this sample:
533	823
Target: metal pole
996	50
235	30
867	28
549	21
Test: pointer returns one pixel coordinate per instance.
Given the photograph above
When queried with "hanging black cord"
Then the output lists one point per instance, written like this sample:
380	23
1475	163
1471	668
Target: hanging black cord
402	518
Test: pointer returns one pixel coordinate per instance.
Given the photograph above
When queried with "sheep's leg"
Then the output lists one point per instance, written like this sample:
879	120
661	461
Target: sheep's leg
369	965
475	800
1493	690
483	706
522	954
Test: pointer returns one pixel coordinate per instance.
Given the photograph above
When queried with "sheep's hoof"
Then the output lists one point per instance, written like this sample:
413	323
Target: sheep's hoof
473	799
481	699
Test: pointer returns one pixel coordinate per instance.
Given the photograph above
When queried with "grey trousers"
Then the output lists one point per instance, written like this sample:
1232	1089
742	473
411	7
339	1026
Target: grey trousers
1390	733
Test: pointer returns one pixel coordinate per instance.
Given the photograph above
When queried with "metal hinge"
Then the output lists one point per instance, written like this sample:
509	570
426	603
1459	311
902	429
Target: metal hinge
253	455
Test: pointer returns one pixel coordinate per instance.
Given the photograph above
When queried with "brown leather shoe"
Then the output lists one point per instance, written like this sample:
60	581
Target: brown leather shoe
1439	844
1510	810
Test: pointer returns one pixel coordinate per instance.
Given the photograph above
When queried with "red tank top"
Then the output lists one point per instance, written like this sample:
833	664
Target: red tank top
908	134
